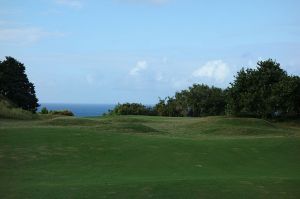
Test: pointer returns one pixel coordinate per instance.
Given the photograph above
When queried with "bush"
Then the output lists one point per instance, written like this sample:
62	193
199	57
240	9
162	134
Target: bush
44	110
132	109
62	112
196	101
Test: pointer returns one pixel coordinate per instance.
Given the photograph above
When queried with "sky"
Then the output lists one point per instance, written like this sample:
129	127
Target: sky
110	51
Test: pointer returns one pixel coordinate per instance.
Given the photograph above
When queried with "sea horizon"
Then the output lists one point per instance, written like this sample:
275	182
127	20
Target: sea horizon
79	109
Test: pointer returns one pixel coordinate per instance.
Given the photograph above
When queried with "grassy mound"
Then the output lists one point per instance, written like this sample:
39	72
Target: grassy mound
210	126
7	110
116	124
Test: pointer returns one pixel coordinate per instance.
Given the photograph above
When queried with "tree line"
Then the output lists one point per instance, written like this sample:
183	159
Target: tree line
265	92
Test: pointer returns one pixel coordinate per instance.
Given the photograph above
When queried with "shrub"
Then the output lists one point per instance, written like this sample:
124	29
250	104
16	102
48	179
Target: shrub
132	109
196	101
62	112
44	110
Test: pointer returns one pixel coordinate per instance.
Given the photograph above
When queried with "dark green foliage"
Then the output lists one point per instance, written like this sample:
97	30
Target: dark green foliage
57	112
198	100
161	107
132	109
287	95
15	86
44	110
204	100
264	92
62	112
169	107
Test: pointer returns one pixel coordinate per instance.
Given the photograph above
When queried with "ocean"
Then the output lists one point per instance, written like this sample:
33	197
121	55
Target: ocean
80	110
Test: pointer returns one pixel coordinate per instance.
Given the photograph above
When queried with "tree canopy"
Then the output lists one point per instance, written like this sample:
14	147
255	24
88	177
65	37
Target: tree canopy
197	100
132	109
15	86
266	91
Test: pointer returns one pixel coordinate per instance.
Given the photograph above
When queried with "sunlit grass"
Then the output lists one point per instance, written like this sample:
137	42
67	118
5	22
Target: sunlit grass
149	157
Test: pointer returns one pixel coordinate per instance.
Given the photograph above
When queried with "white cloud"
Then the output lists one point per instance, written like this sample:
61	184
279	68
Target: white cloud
216	69
24	35
140	65
70	3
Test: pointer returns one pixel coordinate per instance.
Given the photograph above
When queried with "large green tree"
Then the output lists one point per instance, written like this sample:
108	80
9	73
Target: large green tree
197	100
266	91
15	86
204	100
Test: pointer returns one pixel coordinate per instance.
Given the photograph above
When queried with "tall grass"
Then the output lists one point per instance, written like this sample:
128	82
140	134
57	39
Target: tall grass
8	111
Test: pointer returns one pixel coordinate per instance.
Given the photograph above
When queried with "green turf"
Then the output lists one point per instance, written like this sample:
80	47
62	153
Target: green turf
149	157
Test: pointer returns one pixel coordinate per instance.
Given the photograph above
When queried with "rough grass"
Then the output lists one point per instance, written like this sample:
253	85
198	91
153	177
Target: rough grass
149	157
8	111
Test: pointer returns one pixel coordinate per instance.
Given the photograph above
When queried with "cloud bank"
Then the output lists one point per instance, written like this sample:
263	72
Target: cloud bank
140	65
217	69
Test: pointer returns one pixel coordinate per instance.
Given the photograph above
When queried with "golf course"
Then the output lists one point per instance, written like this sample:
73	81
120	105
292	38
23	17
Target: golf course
149	157
149	99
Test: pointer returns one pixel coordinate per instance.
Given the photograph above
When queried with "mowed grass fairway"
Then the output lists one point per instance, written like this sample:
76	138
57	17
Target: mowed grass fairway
149	157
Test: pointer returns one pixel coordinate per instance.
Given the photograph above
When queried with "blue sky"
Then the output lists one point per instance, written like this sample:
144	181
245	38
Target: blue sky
109	51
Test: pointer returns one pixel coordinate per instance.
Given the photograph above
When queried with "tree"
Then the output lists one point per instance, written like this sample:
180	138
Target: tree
15	86
286	95
160	107
132	109
198	100
44	110
266	91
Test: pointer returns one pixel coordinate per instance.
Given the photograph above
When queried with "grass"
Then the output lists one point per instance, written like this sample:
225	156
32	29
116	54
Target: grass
11	112
149	157
8	111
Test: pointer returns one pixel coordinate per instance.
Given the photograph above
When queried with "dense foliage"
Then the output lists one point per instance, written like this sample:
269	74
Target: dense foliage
266	91
15	86
44	110
132	109
198	100
62	112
